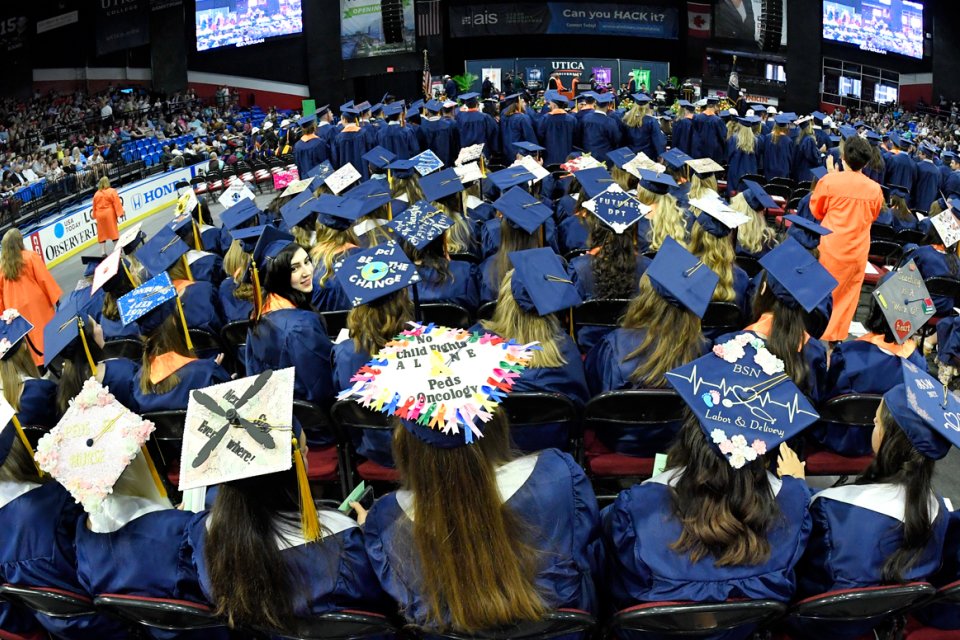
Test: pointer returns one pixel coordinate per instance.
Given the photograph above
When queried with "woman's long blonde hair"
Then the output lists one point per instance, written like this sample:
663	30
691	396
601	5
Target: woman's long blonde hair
746	139
719	255
666	218
511	321
11	254
374	324
701	186
459	237
331	244
13	368
648	310
754	235
235	263
634	117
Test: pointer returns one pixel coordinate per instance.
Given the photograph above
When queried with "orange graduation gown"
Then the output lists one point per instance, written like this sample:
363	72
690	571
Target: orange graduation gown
847	203
107	210
34	294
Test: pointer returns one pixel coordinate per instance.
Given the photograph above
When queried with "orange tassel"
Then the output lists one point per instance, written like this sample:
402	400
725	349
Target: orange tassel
309	520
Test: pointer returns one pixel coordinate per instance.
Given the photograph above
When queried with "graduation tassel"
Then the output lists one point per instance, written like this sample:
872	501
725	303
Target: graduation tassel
26	443
183	319
309	520
186	267
257	292
86	348
196	236
153	472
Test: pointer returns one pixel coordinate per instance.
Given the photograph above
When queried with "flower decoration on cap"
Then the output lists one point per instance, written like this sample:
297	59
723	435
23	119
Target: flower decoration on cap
441	382
737	449
732	350
9	315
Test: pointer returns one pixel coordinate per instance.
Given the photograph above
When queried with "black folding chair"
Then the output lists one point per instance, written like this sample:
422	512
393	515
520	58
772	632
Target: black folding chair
158	613
694	619
485	312
907	236
335	625
445	314
335	321
352	419
49	601
166	442
234	337
853	411
721	318
541	420
123	348
554	624
882	232
885	252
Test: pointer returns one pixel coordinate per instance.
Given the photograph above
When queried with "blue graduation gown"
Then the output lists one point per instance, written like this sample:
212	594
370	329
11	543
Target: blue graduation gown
709	137
648	138
516	128
115	329
375	445
207	268
38	403
588	336
293	338
640	526
931	262
556	505
400	140
201	307
308	154
557	131
901	170
681	136
926	188
119	376
741	164
193	375
234	309
463	288
489	233
442	137
337	574
572	235
777	157
858	366
330	296
349	147
947	614
477	127
599	134
951	185
807	157
566	207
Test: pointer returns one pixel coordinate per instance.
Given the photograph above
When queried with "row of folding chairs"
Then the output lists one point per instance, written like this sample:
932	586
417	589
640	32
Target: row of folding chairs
881	610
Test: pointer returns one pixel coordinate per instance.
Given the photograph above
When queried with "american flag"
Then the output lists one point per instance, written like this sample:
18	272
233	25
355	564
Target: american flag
428	17
427	79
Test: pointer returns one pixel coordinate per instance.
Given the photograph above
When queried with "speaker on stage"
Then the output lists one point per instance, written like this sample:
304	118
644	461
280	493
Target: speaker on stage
770	25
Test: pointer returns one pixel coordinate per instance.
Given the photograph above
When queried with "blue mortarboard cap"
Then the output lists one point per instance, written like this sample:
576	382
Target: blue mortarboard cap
471	95
347	105
272	241
305	120
363	106
402	168
61	331
893	136
336	212
748	121
617	209
796	277
160	252
642	98
558	98
819	172
297	209
904	142
529	147
321	110
713	99
373	273
806	232
247	236
510	99
757	197
182	226
350	113
681	278
393	109
90	264
898	190
686	104
847	131
371	195
420	224
379	157
522	210
434	106
412	113
417	104
149	303
783	119
658	183
12	331
675	159
238	214
441	184
320	171
376	108
873	138
818	115
927	412
541	284
744	408
713	226
510	177
949	155
621	156
604	98
594	181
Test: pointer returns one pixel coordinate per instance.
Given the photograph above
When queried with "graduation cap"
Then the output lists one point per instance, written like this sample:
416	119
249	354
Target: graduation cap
675	159
296	187
749	121
559	99
160	252
819	172
298	209
529	147
371	195
873	138
420	224
90	264
510	177
401	168
320	171
803	120
149	305
63	330
642	98
342	178
363	106
307	120
413	112
91	446
796	278
783	119
393	109
744	401
433	106
681	278
441	184
469	96
717	218
604	98
713	100
657	183
686	104
594	181
522	210
509	100
541	283
927	411
322	110
131	238
347	105
757	197
373	273
271	242
947	226
847	131
106	270
239	214
904	301
616	208
704	166
248	236
427	162
620	157
806	232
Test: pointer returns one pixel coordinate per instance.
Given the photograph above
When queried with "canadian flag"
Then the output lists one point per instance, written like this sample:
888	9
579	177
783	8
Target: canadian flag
698	20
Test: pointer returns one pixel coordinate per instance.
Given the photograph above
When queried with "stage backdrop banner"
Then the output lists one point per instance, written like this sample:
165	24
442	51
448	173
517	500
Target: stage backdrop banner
121	24
564	18
371	28
568	70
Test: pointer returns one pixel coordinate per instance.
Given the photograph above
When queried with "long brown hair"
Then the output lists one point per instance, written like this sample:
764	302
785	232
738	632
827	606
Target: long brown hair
511	239
898	462
718	254
511	321
725	513
15	364
373	324
476	586
331	244
19	466
787	334
164	339
657	355
615	264
11	256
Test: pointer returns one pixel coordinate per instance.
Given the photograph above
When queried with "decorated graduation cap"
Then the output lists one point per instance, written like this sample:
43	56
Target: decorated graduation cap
420	224
373	273
744	401
336	212
321	171
160	252
704	166
131	238
239	214
91	446
620	157
427	162
511	177
797	278
541	283
441	184
675	159
379	157
149	305
297	187
717	218
904	301
947	225
806	232
342	178
681	278
616	208
442	383
757	197
927	411
13	328
594	181
657	183
522	210
63	331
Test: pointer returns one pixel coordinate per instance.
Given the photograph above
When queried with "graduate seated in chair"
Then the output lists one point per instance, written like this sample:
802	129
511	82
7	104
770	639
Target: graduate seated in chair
33	397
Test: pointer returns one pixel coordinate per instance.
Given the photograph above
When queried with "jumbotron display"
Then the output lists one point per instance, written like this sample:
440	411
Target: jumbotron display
237	23
880	26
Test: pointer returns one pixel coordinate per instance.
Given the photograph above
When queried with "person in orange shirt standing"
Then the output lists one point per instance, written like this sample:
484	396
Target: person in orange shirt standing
847	202
107	211
26	285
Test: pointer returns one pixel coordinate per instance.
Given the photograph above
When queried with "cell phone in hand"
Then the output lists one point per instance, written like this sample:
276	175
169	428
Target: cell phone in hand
361	494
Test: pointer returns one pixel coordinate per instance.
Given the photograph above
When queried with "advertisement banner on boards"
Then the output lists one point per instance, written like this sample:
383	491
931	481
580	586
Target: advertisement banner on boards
371	28
65	236
564	18
121	24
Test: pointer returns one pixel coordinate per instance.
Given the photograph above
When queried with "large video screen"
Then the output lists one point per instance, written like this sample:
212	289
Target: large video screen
881	26
238	23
